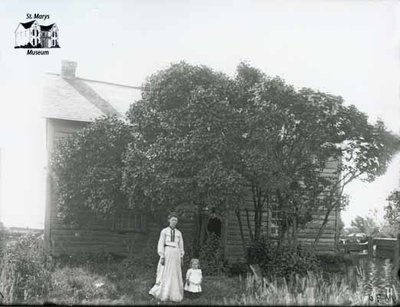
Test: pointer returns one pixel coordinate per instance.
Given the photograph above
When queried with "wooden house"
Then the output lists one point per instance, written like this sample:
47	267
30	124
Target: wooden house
27	32
70	103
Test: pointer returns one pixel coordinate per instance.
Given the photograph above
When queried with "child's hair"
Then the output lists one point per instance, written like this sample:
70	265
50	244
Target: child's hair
193	260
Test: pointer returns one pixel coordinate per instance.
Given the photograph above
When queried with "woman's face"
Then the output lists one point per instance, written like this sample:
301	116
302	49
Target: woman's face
173	221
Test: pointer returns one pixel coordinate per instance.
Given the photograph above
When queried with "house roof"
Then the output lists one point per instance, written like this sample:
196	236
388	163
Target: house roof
27	25
46	28
84	100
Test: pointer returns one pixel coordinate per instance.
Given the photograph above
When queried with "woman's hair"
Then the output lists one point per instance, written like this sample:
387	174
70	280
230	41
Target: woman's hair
171	215
194	260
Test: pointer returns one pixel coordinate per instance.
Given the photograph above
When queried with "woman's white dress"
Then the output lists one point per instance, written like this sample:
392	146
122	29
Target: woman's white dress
169	283
194	276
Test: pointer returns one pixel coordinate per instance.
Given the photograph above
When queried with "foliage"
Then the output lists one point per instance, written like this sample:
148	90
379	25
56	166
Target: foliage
110	281
3	240
199	139
25	270
393	208
211	256
183	156
312	289
281	260
329	261
388	230
87	169
77	285
237	268
365	225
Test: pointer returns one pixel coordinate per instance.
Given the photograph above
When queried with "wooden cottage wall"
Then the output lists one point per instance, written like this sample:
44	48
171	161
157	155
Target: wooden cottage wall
327	241
97	235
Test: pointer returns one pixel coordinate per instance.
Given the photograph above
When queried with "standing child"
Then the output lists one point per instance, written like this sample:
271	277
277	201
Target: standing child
193	279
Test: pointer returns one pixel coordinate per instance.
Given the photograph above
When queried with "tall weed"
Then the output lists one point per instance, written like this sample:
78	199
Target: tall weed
25	270
308	290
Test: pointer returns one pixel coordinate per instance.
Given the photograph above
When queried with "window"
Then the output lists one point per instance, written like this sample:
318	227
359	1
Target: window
129	221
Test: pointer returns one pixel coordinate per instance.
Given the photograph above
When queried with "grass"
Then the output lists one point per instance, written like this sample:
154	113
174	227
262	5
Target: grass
312	289
77	285
103	280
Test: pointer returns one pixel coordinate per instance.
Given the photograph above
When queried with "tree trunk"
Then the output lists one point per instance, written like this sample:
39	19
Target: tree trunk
254	190
197	241
239	219
325	221
294	230
268	199
249	225
336	203
258	216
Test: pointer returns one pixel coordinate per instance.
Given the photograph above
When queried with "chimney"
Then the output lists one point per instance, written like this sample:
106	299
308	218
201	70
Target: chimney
68	69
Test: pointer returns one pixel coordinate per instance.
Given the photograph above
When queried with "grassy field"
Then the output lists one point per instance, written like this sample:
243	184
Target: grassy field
73	285
80	286
29	276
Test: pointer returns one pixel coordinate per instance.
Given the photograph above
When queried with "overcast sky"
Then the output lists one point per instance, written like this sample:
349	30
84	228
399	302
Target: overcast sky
346	48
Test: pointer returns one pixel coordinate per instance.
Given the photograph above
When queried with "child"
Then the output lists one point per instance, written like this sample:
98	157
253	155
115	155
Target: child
193	279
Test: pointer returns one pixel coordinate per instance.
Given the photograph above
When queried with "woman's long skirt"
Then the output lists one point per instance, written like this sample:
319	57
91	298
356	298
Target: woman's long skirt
169	283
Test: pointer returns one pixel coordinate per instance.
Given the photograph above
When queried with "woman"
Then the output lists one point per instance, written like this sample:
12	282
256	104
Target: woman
169	283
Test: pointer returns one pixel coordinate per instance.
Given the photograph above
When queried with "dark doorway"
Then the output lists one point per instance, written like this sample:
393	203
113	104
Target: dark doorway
214	226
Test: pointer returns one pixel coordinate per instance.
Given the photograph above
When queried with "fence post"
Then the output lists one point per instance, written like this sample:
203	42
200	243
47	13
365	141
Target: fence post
396	251
370	246
396	258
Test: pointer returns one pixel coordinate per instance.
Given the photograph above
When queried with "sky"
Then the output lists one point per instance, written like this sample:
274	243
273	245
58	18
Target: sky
347	48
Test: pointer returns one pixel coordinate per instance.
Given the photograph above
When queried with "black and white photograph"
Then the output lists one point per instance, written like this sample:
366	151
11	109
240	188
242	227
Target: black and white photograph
188	152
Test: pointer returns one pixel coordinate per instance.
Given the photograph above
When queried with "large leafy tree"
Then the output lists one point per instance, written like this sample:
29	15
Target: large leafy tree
290	136
185	151
199	139
87	170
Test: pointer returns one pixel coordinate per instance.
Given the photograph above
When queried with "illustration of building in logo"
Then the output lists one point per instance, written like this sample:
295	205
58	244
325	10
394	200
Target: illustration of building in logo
33	35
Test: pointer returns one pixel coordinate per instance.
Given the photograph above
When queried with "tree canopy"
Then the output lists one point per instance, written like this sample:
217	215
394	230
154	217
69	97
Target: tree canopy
198	139
87	168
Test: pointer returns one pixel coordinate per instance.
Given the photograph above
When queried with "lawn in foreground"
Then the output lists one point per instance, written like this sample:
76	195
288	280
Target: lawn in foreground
77	285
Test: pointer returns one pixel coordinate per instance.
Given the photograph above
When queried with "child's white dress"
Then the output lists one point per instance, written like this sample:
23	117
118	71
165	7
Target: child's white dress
194	276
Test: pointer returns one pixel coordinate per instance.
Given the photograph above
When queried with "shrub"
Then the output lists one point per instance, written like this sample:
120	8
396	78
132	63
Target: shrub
25	270
333	260
282	260
211	256
237	268
3	240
